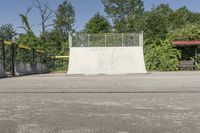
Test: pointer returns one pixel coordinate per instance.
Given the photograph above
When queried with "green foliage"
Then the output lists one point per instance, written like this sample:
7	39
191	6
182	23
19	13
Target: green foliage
29	40
7	32
187	33
197	59
65	19
155	25
24	55
136	24
98	24
26	24
183	16
121	10
55	44
161	56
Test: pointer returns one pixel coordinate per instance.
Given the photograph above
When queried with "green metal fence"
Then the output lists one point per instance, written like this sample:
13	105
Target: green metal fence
105	40
11	54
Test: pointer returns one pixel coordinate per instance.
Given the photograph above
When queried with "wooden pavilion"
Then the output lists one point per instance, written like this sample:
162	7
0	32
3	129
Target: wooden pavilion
189	52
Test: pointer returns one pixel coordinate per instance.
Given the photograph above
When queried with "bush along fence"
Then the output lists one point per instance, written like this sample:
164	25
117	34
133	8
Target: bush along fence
58	63
16	60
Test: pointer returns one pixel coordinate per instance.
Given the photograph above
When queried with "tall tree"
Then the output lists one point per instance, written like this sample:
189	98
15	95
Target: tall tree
7	32
98	24
121	10
189	32
65	19
181	17
136	23
155	25
46	13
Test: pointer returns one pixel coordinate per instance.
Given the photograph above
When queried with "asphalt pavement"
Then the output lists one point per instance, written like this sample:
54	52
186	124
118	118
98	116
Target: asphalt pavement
157	102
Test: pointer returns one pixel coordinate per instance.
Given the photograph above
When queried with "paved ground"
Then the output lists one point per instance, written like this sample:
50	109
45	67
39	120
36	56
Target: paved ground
56	103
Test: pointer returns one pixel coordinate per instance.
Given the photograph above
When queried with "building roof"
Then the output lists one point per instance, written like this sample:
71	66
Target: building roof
186	43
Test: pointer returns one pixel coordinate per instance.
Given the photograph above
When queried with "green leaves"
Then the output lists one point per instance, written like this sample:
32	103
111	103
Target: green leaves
187	33
161	56
65	19
7	32
98	24
121	10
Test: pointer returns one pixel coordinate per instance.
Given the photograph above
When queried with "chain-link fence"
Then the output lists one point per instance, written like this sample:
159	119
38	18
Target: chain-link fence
105	40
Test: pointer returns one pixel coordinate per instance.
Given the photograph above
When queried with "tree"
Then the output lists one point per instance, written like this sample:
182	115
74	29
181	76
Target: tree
136	23
189	32
98	24
155	25
181	17
55	45
46	13
164	9
65	19
121	10
7	32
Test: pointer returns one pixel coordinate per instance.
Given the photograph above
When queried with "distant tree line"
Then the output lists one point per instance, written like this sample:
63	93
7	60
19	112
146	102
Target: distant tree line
160	25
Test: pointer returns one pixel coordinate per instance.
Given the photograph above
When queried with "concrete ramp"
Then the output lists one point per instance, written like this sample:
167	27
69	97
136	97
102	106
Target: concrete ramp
106	60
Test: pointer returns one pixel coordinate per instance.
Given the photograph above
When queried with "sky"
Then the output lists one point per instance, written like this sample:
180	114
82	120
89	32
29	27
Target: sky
85	9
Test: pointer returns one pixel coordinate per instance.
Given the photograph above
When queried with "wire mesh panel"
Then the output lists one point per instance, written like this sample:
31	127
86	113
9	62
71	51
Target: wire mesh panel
105	40
113	40
80	40
23	55
8	59
131	39
96	40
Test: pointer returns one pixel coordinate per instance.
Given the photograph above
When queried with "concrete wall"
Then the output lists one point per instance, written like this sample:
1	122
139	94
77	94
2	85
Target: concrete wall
2	72
29	68
106	60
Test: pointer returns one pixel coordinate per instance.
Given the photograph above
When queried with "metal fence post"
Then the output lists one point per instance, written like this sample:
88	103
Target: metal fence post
88	39
70	40
122	39
33	55
12	51
3	54
141	39
105	39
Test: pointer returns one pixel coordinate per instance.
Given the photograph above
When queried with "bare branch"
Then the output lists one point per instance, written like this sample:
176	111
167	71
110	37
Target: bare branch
48	25
45	13
22	27
30	8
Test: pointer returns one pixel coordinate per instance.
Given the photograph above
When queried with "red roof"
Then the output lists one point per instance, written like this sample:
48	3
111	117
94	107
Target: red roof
183	43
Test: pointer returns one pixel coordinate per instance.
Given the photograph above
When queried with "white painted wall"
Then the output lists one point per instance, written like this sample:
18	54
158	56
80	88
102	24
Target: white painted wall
106	60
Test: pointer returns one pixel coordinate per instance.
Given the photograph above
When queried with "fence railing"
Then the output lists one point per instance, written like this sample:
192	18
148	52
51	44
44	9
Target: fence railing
13	56
106	40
